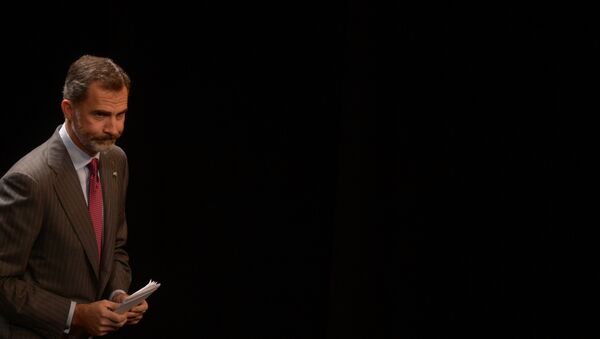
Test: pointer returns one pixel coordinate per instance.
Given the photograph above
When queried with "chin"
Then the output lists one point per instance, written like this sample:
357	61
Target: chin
101	148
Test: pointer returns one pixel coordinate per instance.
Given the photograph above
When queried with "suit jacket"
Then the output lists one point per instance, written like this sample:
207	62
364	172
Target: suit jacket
48	251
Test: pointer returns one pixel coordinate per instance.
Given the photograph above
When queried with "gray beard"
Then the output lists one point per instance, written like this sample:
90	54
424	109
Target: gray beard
100	146
96	146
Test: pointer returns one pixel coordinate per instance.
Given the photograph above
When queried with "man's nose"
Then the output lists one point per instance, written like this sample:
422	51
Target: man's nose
112	126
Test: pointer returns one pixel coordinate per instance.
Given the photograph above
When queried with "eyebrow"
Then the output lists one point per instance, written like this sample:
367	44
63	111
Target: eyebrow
99	111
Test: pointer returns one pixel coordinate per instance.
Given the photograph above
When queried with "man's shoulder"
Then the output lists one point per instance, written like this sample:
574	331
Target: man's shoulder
36	157
35	162
116	156
115	153
32	162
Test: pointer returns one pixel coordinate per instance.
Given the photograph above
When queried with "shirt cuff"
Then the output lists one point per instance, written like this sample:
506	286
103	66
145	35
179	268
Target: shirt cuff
70	317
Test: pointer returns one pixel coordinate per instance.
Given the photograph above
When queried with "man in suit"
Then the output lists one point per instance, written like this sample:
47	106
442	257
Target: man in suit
63	264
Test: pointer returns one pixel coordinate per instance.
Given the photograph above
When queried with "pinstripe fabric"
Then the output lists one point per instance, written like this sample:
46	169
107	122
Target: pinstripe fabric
48	252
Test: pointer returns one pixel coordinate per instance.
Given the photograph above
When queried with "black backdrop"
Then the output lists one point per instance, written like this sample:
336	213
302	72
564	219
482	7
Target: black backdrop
340	169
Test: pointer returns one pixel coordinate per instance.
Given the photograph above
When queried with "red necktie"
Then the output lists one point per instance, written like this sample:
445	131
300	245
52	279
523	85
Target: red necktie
95	202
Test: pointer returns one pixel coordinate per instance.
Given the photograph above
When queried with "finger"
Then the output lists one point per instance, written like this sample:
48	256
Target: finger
114	316
142	307
115	320
120	297
131	315
113	325
105	329
137	309
111	305
133	322
136	318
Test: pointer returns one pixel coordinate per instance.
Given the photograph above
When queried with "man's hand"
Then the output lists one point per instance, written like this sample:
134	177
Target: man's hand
136	313
98	318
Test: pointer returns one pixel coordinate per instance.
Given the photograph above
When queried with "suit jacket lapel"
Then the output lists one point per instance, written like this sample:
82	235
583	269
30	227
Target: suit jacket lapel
71	198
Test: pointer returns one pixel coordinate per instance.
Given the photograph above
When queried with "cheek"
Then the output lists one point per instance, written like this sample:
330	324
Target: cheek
92	128
86	125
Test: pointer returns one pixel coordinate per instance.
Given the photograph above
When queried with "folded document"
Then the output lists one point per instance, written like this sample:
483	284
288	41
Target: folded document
139	296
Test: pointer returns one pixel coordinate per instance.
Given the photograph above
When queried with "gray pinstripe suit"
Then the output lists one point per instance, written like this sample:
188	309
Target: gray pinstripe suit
48	253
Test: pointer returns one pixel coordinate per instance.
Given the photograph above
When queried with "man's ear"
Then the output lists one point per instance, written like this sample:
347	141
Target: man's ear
67	109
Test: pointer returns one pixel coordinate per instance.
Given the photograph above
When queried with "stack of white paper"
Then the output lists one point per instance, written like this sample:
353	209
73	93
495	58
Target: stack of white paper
139	296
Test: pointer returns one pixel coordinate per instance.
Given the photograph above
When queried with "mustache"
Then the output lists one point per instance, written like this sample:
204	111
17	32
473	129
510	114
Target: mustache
108	138
104	140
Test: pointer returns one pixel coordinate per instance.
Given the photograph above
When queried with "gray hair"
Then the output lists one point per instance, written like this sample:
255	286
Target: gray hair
88	69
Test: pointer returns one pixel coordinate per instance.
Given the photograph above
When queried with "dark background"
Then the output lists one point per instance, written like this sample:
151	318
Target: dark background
340	169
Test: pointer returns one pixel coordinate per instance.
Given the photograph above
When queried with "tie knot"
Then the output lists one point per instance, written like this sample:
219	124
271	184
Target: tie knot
93	165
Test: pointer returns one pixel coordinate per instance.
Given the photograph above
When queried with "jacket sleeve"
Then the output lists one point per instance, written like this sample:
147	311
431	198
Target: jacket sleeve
21	219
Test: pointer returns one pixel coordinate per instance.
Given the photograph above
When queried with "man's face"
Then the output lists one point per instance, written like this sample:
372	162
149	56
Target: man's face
99	120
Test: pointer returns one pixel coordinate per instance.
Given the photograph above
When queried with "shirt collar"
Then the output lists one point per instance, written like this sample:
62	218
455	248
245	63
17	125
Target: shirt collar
79	158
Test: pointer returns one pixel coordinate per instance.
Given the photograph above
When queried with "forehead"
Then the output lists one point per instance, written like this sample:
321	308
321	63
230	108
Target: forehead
99	98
